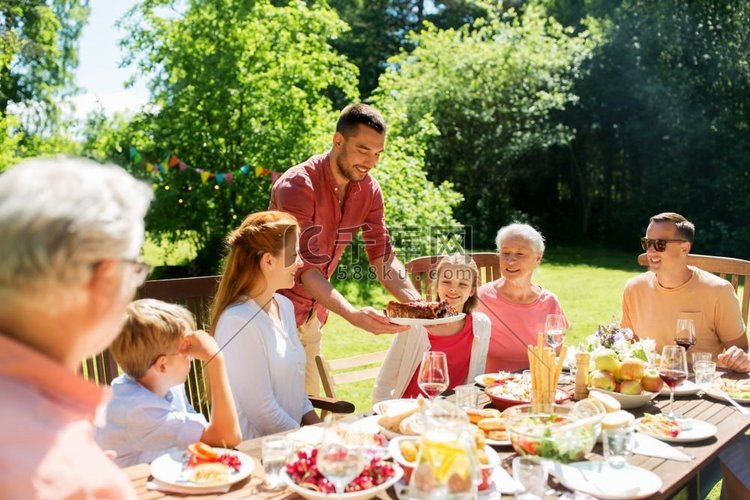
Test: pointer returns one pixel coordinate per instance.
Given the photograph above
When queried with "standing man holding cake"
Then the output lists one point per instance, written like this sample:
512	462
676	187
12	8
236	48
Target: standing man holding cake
333	196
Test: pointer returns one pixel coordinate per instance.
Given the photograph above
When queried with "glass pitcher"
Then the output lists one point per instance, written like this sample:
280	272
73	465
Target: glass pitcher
447	463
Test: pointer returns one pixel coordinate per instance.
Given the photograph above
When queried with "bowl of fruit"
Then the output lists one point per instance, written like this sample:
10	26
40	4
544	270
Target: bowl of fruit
304	478
552	432
405	450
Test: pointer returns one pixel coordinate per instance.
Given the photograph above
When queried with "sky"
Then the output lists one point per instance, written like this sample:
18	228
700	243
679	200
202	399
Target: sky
98	75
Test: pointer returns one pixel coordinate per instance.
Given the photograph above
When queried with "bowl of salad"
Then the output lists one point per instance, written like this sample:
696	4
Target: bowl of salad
554	432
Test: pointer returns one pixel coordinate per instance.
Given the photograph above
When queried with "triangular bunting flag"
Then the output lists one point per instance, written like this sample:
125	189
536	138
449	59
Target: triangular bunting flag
244	169
258	171
229	176
205	176
173	161
219	178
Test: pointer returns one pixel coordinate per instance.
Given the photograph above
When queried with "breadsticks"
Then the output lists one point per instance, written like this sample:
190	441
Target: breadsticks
545	372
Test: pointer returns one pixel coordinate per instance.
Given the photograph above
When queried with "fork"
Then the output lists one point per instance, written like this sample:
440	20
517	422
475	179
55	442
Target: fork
734	403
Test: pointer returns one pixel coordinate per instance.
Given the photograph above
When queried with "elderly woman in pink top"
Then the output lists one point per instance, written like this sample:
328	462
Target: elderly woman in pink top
516	307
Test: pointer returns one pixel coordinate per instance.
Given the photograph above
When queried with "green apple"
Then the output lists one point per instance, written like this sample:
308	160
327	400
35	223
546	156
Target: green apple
632	387
632	369
607	361
604	380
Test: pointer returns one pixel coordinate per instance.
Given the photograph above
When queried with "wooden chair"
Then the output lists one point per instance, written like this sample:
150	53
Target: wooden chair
736	271
422	271
348	370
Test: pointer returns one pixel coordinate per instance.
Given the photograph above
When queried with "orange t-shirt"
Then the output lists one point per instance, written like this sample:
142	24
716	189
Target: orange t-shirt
652	311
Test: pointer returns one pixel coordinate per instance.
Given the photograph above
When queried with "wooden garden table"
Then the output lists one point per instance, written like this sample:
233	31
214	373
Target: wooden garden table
674	475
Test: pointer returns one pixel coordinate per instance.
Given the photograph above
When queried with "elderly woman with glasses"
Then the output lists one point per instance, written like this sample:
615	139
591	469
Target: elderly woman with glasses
517	307
71	231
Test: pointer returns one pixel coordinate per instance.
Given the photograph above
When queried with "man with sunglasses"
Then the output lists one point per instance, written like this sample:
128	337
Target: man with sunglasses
653	301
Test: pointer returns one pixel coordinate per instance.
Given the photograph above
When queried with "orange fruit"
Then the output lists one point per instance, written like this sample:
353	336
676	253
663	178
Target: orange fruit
202	451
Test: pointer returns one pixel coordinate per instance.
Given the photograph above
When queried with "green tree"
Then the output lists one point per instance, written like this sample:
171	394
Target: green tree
38	53
491	91
237	83
662	123
380	29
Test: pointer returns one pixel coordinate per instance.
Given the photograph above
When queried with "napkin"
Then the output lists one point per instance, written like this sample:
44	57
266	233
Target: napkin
599	479
155	484
503	481
652	447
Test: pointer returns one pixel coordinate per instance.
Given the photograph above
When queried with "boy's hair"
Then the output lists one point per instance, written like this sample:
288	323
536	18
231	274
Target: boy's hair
463	260
151	328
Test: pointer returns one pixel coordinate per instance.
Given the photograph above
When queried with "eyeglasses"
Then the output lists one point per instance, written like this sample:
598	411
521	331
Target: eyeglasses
659	245
141	269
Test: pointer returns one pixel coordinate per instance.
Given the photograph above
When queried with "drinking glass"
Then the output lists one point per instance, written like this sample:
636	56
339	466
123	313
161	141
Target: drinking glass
554	330
467	396
705	372
340	464
618	445
530	474
684	335
673	370
433	374
700	356
276	450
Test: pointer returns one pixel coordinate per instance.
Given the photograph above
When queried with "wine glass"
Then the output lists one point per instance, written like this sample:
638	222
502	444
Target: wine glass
340	464
433	374
685	334
554	330
673	370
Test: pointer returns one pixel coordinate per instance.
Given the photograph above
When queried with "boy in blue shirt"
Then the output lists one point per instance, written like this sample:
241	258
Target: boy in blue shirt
149	413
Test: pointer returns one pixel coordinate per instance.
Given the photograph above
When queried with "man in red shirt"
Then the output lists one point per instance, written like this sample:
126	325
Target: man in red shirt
333	196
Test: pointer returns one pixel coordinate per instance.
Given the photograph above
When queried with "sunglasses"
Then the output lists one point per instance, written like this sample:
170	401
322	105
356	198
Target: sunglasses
659	245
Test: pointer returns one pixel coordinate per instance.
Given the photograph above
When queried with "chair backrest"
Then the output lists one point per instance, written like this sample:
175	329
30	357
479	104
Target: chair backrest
736	271
348	370
196	295
422	271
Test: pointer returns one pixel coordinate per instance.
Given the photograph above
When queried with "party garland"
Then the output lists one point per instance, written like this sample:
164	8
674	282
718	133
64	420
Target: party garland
172	161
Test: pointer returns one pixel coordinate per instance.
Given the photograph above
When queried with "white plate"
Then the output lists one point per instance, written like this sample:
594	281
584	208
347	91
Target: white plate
629	401
686	388
602	481
699	431
716	394
494	442
480	379
167	468
394	406
426	322
354	495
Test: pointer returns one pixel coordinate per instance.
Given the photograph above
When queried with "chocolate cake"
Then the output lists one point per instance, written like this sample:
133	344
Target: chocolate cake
420	309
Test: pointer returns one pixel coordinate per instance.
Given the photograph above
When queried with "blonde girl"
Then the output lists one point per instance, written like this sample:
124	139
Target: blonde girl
464	341
256	329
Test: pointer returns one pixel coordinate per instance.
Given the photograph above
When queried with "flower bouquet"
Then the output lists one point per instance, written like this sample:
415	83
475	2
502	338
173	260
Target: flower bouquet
620	340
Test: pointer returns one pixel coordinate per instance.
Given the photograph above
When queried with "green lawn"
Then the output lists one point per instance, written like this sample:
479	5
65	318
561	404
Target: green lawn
588	282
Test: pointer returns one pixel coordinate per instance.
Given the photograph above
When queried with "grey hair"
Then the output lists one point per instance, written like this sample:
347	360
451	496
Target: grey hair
523	231
59	217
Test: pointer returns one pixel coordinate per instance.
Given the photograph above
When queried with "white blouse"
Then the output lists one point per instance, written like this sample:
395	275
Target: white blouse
266	367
